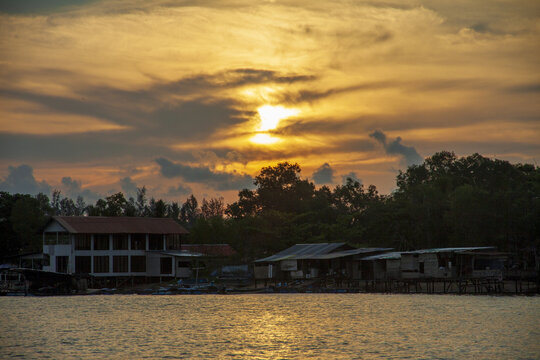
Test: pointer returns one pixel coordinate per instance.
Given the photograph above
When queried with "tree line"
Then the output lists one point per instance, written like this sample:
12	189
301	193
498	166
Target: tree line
445	201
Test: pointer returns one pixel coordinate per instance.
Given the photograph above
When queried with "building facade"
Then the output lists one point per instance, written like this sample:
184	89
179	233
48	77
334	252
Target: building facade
116	246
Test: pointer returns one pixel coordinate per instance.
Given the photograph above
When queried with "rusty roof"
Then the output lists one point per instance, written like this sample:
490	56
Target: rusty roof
119	225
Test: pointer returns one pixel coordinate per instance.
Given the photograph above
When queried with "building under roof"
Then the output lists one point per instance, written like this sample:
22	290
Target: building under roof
303	251
210	249
449	250
320	251
119	225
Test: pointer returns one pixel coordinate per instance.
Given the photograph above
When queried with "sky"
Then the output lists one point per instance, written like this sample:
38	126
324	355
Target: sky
196	97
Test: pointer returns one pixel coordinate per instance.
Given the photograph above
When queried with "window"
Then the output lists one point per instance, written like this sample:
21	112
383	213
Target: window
120	242
101	242
83	264
101	264
155	242
50	238
138	264
138	241
173	242
421	267
83	242
62	264
64	239
120	264
165	266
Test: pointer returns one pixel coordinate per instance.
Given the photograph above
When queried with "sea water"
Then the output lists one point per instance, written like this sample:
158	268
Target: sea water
270	326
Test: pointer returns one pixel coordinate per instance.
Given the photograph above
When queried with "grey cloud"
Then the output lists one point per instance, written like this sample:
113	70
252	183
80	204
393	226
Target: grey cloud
39	6
310	95
324	174
179	190
128	187
73	188
352	175
82	147
230	79
408	153
21	180
532	88
193	119
215	180
154	122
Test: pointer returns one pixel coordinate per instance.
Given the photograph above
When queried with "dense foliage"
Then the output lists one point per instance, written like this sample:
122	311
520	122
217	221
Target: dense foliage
446	201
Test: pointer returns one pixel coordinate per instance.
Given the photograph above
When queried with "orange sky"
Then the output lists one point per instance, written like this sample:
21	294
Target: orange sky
192	96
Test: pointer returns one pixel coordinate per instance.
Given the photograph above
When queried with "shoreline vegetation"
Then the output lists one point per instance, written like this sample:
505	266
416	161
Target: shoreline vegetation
444	202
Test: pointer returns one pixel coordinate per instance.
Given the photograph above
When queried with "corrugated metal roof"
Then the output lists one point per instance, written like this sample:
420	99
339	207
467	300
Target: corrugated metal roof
119	225
443	250
210	249
338	254
303	251
386	256
180	253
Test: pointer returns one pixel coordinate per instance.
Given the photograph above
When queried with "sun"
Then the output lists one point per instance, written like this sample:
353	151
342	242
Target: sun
264	139
270	117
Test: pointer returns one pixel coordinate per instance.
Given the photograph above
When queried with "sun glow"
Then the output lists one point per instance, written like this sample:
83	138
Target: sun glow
264	139
270	117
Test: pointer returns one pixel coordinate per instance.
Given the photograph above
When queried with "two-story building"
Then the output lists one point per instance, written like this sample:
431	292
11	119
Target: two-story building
116	246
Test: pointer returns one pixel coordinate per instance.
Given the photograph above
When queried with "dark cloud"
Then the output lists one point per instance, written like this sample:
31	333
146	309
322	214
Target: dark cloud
524	88
193	119
324	174
179	190
310	95
352	175
480	28
154	117
128	187
39	6
105	146
73	188
21	180
395	147
194	174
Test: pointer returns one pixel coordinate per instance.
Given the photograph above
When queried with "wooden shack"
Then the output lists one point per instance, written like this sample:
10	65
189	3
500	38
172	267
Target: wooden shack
386	266
308	261
440	263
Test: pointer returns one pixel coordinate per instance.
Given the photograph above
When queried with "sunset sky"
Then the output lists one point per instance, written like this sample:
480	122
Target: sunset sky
188	97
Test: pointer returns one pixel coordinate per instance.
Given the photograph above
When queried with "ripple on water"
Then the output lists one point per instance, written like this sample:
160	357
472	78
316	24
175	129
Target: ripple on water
291	326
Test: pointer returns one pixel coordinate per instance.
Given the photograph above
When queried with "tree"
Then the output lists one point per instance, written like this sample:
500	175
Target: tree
27	219
157	208
141	203
80	206
173	210
189	211
212	208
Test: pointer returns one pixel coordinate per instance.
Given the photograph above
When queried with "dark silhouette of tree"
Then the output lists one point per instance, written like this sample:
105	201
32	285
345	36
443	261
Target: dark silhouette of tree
212	208
189	213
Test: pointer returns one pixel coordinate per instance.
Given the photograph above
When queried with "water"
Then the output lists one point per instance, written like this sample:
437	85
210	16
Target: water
271	326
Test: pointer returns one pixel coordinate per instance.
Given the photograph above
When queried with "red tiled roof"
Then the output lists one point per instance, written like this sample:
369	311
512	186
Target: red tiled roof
119	225
210	249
